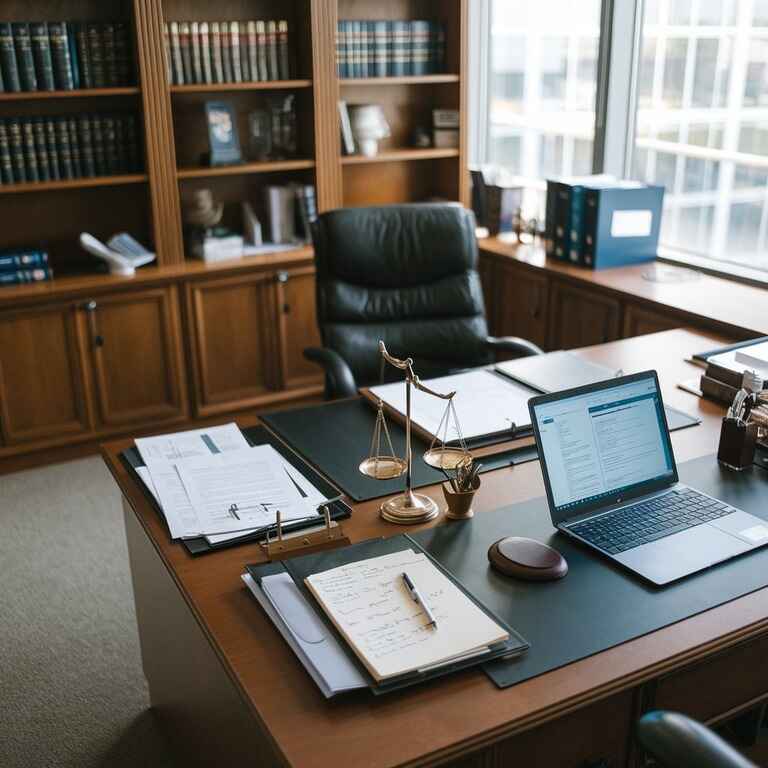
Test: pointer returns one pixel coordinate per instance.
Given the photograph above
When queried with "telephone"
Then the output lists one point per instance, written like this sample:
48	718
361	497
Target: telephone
122	252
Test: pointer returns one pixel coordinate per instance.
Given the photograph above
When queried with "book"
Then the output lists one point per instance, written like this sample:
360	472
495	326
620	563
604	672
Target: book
177	64
88	160
717	390
6	166
167	54
245	61
419	48
62	63
74	144
401	48
65	149
52	145
109	46
273	66
24	60
261	37
205	53
97	135
8	63
253	51
283	51
234	51
30	154
123	58
364	50
306	209
2	84
96	55
10	261
347	139
280	202
111	156
41	149
380	48
186	51
41	53
121	152
217	55
354	37
16	146
437	44
83	56
197	59
226	53
341	53
74	61
25	276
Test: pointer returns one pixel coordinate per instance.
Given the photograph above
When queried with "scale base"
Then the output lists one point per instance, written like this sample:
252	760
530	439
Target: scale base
409	509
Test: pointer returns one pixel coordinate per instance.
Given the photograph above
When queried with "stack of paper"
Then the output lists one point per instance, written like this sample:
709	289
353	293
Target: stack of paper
210	482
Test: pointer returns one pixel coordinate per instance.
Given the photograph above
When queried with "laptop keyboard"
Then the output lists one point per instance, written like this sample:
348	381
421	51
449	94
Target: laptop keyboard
648	521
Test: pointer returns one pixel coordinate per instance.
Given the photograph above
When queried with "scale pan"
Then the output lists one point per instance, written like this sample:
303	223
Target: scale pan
383	467
446	458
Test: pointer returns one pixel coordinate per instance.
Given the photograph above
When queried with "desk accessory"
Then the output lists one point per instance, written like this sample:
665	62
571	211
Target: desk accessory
460	490
301	543
122	253
527	559
409	507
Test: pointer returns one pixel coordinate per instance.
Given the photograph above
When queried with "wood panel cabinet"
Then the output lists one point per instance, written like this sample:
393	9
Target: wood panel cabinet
42	385
638	321
298	327
134	352
234	333
522	299
579	317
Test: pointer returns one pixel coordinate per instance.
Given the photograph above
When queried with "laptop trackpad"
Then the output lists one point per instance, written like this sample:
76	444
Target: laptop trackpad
683	553
750	529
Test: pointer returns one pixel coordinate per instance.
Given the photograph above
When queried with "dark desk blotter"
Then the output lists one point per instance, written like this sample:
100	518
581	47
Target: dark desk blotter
597	605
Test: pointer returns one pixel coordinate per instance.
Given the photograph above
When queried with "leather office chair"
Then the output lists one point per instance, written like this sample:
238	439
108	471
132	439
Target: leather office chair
677	741
406	274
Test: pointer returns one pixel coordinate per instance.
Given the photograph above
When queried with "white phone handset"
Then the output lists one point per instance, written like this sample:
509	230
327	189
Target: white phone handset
119	264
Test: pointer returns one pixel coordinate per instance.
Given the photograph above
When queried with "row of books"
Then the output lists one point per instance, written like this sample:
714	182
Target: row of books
599	221
67	147
60	55
226	52
389	48
24	266
724	374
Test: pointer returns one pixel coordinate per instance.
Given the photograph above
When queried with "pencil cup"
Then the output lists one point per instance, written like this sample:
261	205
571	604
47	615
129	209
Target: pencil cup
459	502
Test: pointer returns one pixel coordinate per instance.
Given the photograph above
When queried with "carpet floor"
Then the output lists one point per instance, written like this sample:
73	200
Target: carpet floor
72	691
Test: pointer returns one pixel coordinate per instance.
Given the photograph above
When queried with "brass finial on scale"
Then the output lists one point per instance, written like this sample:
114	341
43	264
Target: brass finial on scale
410	507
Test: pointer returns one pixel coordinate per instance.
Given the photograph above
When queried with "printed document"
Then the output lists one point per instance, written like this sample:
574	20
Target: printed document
390	633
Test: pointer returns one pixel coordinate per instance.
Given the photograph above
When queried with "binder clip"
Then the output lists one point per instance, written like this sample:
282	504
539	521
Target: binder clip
294	543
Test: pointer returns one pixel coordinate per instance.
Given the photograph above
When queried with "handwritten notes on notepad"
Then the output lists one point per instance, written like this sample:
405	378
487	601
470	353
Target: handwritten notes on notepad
371	607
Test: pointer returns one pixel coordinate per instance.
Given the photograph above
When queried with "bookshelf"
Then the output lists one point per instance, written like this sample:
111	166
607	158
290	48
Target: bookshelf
179	319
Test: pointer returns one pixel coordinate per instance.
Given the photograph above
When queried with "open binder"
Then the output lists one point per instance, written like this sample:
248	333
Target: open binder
255	436
300	568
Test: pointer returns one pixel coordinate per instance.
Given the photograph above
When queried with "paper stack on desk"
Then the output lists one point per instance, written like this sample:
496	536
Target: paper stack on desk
210	482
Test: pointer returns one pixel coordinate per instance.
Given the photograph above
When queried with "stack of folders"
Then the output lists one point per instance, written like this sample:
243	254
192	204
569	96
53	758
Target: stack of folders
210	482
381	621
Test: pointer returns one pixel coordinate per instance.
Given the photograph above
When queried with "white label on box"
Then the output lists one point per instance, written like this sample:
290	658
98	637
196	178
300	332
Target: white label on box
631	223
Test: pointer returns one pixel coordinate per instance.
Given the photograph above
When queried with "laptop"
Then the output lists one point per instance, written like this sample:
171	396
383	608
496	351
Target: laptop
612	483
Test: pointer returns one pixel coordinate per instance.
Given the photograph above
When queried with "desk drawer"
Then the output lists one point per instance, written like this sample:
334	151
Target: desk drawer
719	684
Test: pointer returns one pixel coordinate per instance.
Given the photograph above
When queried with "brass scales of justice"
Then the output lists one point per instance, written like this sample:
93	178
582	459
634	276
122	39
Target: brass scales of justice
410	507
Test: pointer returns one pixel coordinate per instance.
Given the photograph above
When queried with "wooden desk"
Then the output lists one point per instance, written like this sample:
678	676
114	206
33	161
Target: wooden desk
231	692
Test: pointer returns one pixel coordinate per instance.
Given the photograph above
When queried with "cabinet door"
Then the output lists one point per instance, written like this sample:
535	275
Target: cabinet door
42	392
234	327
522	298
580	317
135	354
638	321
298	327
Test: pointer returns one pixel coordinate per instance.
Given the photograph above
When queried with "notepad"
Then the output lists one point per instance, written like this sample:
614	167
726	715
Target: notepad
390	634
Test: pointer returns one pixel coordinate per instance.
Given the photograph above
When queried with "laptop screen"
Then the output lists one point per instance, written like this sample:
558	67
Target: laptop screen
603	443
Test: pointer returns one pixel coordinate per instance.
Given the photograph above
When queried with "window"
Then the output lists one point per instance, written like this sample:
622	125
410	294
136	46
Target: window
542	89
702	125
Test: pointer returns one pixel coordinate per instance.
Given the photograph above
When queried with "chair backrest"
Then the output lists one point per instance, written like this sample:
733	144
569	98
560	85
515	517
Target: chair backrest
406	274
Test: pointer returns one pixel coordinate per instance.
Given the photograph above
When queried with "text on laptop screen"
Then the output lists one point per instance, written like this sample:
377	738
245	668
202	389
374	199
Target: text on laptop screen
603	442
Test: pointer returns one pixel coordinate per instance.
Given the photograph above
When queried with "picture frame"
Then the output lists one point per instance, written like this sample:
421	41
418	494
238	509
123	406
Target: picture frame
223	139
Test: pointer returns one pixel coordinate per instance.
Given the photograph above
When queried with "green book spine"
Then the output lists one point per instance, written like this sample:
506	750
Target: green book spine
65	148
8	59
73	57
110	144
84	56
96	56
97	131
17	150
6	166
111	73
41	52
62	63
74	146
20	276
51	141
30	155
86	146
123	55
132	144
41	149
24	59
121	152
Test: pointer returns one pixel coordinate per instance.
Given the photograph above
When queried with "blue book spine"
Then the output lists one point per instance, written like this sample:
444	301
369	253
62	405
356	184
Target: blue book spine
8	59
24	58
73	57
390	48
14	260
364	49
20	276
575	235
357	50
561	219
341	65
381	48
401	48
419	47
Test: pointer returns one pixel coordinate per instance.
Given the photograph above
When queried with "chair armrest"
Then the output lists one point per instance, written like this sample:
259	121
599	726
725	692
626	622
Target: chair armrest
513	344
677	741
339	379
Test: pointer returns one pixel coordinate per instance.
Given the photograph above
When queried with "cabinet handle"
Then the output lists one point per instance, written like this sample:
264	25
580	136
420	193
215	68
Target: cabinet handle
282	276
90	307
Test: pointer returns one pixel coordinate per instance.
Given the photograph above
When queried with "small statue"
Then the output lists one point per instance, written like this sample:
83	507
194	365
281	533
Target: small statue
201	212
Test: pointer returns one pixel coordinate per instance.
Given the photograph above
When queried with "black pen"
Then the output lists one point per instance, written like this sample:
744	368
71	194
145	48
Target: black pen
416	595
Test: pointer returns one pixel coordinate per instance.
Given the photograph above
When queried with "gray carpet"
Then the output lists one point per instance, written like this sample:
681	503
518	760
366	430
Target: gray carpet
72	692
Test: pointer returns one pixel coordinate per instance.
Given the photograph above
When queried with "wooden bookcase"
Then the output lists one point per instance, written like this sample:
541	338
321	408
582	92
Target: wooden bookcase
179	320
